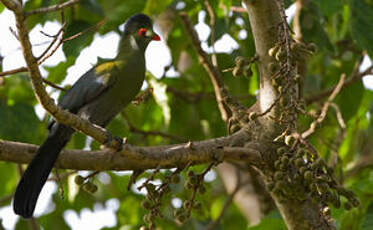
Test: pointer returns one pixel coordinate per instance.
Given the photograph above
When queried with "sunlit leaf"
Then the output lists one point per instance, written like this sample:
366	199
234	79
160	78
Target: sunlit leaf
156	6
57	73
160	95
75	46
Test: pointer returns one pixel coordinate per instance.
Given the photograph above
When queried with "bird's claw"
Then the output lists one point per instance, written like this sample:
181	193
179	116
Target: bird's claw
114	143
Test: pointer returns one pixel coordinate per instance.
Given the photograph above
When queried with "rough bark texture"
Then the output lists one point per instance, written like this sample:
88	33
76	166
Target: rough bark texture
264	18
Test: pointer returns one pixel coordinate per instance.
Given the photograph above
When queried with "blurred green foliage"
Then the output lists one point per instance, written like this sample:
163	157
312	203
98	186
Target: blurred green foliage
342	30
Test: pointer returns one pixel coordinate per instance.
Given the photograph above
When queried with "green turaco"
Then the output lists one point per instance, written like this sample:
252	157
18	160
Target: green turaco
97	96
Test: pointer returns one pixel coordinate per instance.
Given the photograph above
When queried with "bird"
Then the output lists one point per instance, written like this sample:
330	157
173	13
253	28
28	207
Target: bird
98	96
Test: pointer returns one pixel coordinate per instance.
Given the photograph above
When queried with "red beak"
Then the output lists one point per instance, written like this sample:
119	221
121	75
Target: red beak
156	37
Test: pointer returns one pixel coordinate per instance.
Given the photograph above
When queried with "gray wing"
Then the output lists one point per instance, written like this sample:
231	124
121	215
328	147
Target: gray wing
90	86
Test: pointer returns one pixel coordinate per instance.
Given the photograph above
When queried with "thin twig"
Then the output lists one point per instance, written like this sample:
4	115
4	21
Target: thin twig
296	21
203	58
354	77
92	174
55	37
51	8
143	96
340	119
91	28
211	13
325	108
303	141
62	176
222	96
33	224
13	71
238	9
227	203
51	84
150	178
14	33
41	58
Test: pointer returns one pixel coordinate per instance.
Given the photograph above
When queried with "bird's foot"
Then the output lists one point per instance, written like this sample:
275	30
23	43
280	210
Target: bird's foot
115	143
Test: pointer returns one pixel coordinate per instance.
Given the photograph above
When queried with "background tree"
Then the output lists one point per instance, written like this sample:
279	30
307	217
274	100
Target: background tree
286	112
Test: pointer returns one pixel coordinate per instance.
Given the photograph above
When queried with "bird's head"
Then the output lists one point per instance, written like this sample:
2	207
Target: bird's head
140	27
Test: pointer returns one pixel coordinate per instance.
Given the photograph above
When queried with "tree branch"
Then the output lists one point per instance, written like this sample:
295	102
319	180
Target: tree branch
13	71
325	108
214	74
62	116
227	203
269	27
354	77
51	8
12	5
211	13
138	158
265	31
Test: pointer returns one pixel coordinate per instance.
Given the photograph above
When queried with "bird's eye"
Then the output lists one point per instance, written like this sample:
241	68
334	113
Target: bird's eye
141	32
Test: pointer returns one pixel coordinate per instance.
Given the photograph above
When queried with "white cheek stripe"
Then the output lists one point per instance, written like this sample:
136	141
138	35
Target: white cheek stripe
133	43
148	33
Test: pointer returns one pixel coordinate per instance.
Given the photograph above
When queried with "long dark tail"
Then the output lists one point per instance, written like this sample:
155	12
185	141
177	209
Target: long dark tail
37	172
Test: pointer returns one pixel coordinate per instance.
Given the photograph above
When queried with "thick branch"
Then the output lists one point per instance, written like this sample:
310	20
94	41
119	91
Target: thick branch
264	20
268	24
12	5
137	158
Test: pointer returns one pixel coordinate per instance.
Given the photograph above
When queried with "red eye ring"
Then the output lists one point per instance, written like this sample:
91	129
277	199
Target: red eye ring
141	32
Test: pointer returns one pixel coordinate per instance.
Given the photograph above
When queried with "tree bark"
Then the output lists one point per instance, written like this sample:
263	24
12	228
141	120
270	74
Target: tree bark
265	18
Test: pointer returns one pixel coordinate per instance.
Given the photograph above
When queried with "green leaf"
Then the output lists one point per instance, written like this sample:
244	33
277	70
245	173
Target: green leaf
351	219
117	11
367	223
361	20
312	28
160	95
57	73
288	3
329	7
254	83
352	144
77	141
73	47
20	123
177	41
154	7
271	221
2	7
17	89
89	11
118	127
35	19
216	208
349	100
8	179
